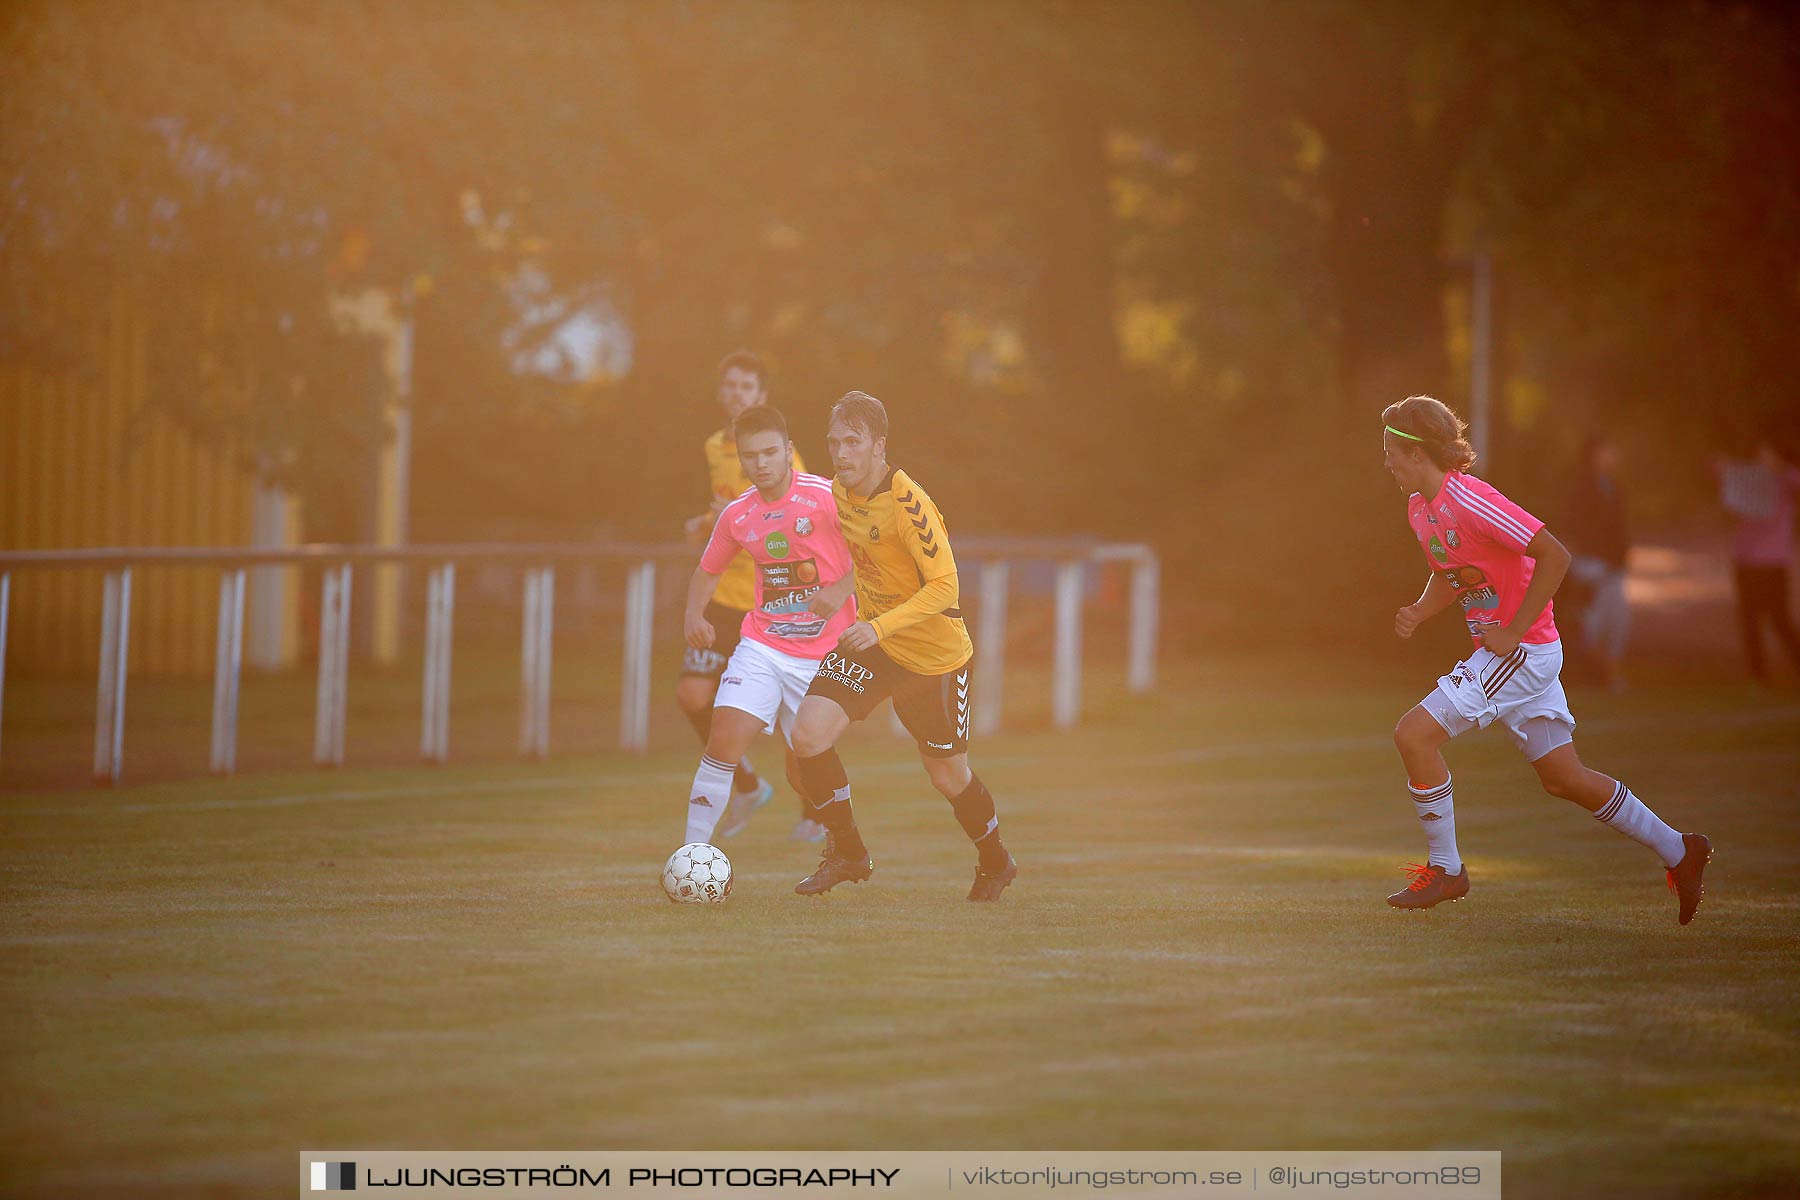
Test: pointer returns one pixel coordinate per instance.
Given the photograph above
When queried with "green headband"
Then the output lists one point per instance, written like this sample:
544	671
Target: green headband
1411	437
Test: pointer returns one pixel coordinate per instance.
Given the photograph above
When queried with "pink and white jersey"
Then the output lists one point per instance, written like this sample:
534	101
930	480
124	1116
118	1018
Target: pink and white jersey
798	547
1475	539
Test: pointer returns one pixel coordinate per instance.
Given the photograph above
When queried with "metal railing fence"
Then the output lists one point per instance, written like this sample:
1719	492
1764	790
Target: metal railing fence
337	563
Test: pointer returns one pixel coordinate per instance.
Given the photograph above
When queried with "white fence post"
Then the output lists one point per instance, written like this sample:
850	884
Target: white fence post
990	647
440	609
228	661
115	653
1066	685
334	666
528	664
546	623
640	618
1146	590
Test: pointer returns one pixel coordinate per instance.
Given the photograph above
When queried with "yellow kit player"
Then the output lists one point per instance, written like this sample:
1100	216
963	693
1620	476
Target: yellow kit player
909	642
743	384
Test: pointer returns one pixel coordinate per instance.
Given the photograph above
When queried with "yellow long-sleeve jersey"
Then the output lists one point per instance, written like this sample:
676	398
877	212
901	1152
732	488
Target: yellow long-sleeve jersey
905	574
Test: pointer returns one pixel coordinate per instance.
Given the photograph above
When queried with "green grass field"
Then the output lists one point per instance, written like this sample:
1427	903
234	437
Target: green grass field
202	978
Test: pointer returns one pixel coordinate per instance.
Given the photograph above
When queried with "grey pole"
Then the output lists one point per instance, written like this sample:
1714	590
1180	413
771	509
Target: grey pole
115	653
528	664
341	694
1066	684
546	623
328	619
334	654
434	736
634	700
239	590
227	664
1146	587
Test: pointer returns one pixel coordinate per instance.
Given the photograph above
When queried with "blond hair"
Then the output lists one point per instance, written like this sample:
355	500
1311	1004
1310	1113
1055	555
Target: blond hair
859	410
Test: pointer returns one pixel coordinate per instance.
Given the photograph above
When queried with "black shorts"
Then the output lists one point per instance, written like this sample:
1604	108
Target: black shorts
934	708
728	624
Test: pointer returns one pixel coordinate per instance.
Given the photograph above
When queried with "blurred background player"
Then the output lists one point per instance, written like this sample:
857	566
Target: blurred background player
1502	566
1600	539
909	642
786	526
743	383
1759	494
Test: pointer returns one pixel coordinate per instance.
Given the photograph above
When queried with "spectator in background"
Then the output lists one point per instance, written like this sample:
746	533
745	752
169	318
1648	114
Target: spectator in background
1601	542
1760	494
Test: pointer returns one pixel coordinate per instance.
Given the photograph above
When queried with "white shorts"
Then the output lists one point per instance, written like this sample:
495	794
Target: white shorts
1523	691
765	683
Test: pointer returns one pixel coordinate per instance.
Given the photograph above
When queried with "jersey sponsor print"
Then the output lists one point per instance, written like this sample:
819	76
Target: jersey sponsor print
789	565
1474	538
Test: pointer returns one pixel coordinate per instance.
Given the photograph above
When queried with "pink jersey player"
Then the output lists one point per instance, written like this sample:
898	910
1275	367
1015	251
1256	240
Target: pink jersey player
798	547
1502	566
1475	539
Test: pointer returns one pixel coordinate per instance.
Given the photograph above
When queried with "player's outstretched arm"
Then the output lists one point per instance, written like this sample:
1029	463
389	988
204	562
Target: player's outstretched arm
699	631
931	599
1437	596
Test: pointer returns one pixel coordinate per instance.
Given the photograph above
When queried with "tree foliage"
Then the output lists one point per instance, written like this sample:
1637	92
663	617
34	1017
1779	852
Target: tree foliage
1104	259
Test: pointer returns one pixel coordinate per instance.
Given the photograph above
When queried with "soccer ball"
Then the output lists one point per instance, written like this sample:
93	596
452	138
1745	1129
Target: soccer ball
697	874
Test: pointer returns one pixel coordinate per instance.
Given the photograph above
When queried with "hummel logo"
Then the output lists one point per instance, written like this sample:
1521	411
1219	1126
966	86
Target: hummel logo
1429	817
920	523
702	801
931	551
915	508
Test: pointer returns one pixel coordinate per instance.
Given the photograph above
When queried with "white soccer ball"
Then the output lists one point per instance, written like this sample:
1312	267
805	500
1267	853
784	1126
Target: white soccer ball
697	873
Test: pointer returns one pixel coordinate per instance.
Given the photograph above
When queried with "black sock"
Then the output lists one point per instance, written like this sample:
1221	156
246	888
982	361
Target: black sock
792	771
823	775
974	811
743	777
702	723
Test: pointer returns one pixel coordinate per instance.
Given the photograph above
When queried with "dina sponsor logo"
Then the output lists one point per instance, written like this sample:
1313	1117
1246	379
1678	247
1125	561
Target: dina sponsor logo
776	544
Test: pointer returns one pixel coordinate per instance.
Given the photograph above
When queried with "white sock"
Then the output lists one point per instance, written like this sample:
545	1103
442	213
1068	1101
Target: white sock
707	798
1436	810
1633	818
